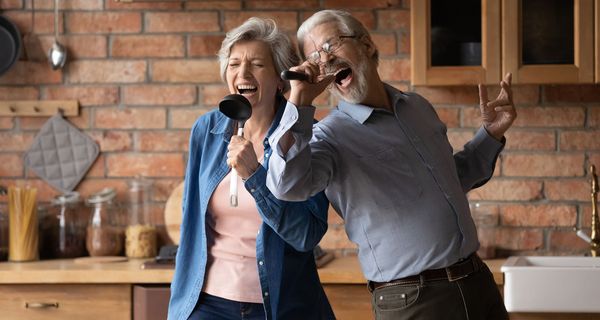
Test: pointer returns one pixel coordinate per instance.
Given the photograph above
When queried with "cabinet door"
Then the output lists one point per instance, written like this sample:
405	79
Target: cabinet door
455	48
548	41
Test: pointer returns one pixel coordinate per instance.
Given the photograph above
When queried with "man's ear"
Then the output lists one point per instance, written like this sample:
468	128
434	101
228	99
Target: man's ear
369	45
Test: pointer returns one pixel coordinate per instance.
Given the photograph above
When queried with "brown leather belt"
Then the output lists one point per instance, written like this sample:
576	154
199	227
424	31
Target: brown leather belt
454	272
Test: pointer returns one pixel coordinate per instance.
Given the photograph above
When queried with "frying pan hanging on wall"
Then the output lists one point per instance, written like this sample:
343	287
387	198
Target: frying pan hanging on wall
10	44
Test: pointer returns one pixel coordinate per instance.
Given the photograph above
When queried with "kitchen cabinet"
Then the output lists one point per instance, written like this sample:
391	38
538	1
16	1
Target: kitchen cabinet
538	41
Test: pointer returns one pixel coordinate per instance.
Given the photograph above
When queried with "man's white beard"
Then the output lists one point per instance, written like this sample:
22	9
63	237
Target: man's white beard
357	91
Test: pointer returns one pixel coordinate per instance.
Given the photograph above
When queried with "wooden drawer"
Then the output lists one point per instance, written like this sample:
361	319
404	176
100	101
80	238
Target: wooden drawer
69	301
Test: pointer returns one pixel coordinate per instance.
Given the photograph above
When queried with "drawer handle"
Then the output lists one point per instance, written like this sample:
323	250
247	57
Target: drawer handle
40	305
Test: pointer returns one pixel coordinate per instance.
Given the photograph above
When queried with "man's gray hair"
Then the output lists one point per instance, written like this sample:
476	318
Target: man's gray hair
346	23
265	30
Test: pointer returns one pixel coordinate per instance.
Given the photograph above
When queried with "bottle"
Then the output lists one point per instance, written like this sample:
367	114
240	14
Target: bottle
140	235
104	232
63	228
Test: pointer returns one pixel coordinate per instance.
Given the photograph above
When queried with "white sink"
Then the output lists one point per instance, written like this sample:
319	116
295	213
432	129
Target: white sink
552	284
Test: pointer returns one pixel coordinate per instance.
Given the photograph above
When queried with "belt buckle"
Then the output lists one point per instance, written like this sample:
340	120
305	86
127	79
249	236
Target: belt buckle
452	278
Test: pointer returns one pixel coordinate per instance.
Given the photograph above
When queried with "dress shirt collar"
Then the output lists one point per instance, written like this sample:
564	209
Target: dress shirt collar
361	112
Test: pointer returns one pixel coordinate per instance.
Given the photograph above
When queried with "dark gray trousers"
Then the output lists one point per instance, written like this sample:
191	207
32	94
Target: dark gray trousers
475	297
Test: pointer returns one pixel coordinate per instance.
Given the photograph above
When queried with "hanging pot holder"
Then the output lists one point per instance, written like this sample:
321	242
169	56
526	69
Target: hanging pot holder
61	154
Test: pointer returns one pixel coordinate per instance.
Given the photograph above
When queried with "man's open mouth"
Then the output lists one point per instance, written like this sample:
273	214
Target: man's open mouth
343	76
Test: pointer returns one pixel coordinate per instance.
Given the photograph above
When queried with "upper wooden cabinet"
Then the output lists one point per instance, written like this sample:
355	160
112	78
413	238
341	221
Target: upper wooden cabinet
478	41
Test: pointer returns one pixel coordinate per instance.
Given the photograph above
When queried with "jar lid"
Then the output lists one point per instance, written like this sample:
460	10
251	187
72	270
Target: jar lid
139	184
67	198
103	195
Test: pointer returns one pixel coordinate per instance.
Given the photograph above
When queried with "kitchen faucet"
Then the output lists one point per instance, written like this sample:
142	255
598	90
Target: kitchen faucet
594	240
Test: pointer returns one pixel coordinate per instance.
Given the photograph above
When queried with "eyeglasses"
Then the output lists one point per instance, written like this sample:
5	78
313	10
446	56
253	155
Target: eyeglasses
329	47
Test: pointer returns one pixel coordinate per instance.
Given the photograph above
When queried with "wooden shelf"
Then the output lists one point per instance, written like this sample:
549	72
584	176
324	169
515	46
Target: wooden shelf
38	108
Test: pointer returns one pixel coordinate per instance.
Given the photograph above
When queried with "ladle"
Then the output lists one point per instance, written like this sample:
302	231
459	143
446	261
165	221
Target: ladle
237	108
57	55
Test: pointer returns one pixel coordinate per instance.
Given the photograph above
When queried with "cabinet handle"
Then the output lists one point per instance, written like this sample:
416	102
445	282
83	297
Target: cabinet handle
40	305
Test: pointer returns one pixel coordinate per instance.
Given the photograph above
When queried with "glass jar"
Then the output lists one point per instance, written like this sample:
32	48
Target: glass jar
104	232
3	233
486	221
63	228
140	235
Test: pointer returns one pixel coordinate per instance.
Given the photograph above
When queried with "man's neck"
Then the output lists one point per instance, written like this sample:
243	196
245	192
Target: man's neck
377	96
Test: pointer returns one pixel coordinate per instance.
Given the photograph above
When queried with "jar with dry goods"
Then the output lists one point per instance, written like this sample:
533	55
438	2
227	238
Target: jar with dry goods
104	230
63	228
140	235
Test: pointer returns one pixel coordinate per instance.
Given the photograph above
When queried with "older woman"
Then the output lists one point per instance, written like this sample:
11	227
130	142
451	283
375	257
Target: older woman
253	261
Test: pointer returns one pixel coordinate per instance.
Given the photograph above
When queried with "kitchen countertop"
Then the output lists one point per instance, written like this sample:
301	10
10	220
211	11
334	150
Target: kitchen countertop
342	270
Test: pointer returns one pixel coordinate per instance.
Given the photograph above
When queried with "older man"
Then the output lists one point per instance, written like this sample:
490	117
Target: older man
385	163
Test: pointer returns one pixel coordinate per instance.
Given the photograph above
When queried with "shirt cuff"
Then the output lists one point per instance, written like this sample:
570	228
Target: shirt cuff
486	145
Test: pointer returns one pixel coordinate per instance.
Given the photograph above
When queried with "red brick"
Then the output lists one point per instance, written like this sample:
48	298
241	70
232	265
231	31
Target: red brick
82	121
538	215
385	42
393	19
205	45
7	123
214	4
450	95
149	5
113	140
25	72
66	4
346	4
158	95
594	158
508	190
181	21
105	71
184	118
567	241
404	42
162	188
580	140
80	46
281	4
148	46
449	116
149	141
586	219
394	69
593	117
543	165
13	141
522	94
567	190
44	21
45	192
550	117
98	168
519	238
212	94
146	165
11	4
523	139
335	238
104	22
366	17
11	165
86	95
130	118
572	93
19	93
286	20
193	71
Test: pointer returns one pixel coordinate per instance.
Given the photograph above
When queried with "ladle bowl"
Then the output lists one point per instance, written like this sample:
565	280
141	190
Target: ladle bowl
57	55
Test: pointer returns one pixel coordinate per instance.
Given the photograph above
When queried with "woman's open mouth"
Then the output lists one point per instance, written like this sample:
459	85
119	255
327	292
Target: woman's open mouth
246	89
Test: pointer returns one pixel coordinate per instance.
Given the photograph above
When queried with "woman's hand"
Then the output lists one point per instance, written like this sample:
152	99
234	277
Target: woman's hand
241	157
499	114
304	92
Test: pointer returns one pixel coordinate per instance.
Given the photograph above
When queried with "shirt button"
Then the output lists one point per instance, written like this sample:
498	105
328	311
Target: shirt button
261	263
252	190
266	294
258	232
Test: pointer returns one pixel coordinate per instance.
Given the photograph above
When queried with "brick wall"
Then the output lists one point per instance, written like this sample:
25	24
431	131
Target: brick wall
143	72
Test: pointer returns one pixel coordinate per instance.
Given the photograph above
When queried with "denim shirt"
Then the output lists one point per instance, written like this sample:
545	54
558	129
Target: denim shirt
290	230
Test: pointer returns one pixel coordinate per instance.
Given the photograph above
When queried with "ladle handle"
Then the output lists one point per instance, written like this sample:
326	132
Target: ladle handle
233	185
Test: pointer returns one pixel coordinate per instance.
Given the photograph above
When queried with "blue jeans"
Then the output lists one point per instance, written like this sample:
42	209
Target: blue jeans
216	308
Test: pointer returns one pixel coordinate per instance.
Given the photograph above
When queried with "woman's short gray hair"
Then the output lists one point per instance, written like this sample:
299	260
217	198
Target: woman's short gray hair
347	24
282	50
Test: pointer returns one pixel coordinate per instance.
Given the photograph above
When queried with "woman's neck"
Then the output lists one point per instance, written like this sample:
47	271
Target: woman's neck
259	123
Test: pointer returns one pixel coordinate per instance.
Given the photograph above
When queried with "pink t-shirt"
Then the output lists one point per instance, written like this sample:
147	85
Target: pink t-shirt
231	269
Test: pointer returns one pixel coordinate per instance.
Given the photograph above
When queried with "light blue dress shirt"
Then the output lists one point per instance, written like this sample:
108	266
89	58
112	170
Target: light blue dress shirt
392	177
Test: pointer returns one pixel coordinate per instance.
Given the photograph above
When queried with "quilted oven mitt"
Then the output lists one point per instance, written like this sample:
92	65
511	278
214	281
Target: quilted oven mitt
61	154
